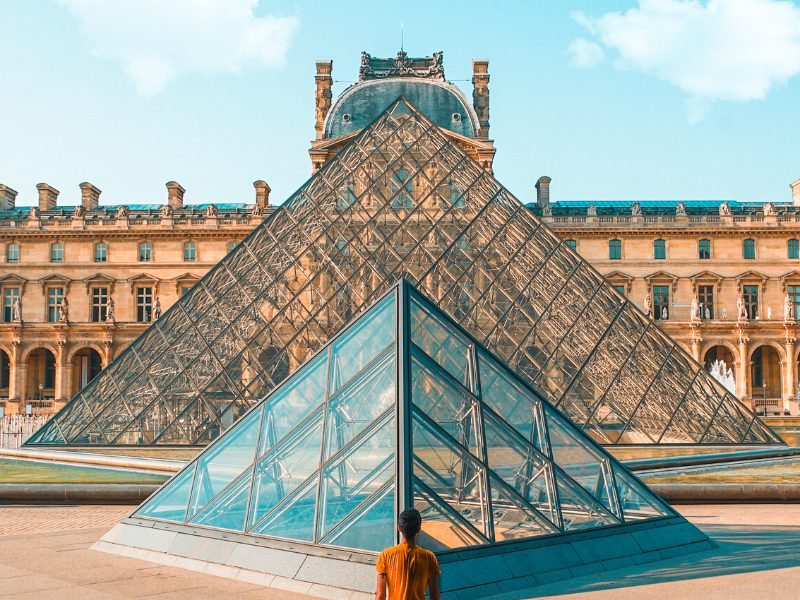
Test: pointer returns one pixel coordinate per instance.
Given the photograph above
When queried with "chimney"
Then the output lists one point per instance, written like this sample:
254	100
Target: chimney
90	196
480	94
175	194
795	192
323	96
262	193
48	195
543	191
8	197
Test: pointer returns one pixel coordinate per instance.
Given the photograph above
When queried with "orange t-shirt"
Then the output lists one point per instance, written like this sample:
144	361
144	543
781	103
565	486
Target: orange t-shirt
408	571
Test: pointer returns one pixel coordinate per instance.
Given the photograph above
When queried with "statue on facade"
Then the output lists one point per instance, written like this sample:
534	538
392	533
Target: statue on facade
788	308
437	68
695	311
648	306
211	210
63	311
166	211
741	308
78	212
547	211
591	211
708	313
769	313
769	209
123	212
110	318
680	210
33	213
156	309
664	313
724	312
636	209
724	209
258	211
16	310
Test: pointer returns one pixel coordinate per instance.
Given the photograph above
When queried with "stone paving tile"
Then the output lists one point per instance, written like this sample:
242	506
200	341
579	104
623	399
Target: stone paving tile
40	519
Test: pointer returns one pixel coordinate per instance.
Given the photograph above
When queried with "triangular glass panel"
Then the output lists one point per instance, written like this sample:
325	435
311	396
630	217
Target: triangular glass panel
170	503
442	529
48	434
578	509
229	509
294	519
513	520
636	501
366	529
421	208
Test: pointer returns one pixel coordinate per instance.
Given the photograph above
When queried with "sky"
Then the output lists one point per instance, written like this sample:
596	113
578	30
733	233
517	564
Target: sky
620	100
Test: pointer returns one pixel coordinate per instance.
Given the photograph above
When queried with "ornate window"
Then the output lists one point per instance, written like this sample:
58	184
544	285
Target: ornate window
704	249
705	295
55	295
402	189
145	251
99	304
749	249
661	302
615	249
144	304
12	252
100	252
750	293
794	294
572	244
793	248
659	249
57	252
10	295
189	251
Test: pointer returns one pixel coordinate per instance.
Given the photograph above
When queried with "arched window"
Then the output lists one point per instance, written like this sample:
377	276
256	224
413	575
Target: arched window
659	249
749	249
189	251
57	252
100	252
402	189
615	249
12	252
572	244
704	249
793	249
145	251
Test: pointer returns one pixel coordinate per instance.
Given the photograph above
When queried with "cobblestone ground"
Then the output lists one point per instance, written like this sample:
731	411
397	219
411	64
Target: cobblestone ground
45	555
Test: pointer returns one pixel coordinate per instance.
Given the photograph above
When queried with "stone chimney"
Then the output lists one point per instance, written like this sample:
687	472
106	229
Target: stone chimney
90	196
8	197
543	191
175	194
262	193
323	95
795	192
480	94
48	196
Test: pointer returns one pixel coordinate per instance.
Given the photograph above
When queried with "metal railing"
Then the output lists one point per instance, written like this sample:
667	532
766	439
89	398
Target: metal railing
16	429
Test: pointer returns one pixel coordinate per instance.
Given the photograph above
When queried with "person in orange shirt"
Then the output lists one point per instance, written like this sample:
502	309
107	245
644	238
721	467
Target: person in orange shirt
406	569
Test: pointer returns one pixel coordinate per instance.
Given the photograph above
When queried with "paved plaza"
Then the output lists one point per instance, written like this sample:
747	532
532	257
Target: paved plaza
44	553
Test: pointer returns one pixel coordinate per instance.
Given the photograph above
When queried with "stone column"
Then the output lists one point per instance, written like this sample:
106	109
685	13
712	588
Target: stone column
61	354
743	372
323	95
480	94
790	375
697	340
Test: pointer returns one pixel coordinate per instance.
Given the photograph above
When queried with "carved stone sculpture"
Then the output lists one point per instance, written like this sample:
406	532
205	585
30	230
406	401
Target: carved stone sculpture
695	312
788	308
769	209
741	308
166	211
78	212
63	311
636	209
680	210
123	212
724	209
211	210
591	210
16	310
648	306
664	313
110	311
156	309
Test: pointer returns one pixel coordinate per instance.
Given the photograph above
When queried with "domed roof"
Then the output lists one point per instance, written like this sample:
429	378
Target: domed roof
420	81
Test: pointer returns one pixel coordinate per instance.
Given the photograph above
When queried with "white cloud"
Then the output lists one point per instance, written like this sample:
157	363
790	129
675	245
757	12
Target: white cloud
159	40
585	54
735	50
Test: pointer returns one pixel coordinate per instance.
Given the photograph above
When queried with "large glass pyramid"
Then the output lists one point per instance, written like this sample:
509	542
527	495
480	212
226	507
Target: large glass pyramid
403	408
403	200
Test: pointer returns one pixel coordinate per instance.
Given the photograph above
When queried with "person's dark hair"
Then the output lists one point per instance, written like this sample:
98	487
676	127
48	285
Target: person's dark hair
410	522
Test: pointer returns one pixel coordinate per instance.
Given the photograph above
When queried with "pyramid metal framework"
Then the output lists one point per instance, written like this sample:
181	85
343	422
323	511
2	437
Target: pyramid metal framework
403	408
403	200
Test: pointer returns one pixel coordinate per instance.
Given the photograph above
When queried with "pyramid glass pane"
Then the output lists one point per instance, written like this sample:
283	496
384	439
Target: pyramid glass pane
329	462
485	259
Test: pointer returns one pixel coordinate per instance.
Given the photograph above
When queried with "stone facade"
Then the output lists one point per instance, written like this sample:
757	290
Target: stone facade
717	252
69	265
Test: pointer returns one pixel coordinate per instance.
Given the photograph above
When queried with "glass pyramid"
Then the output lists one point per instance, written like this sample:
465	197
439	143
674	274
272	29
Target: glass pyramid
402	200
403	408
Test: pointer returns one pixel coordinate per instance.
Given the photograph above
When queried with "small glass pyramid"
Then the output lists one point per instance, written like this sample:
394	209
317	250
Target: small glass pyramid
403	408
346	237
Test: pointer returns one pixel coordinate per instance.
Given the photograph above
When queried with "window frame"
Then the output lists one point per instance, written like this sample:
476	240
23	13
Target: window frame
572	244
98	312
748	247
97	247
700	249
792	248
18	252
615	247
57	252
704	292
144	309
142	245
751	294
793	291
661	299
51	309
660	247
8	308
189	245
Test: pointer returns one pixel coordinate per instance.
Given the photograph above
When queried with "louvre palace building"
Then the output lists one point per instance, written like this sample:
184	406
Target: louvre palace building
402	186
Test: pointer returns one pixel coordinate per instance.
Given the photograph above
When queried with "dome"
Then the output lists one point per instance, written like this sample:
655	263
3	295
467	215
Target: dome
440	101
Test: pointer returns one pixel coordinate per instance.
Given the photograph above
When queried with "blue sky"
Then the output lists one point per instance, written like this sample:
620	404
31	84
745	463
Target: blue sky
650	99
